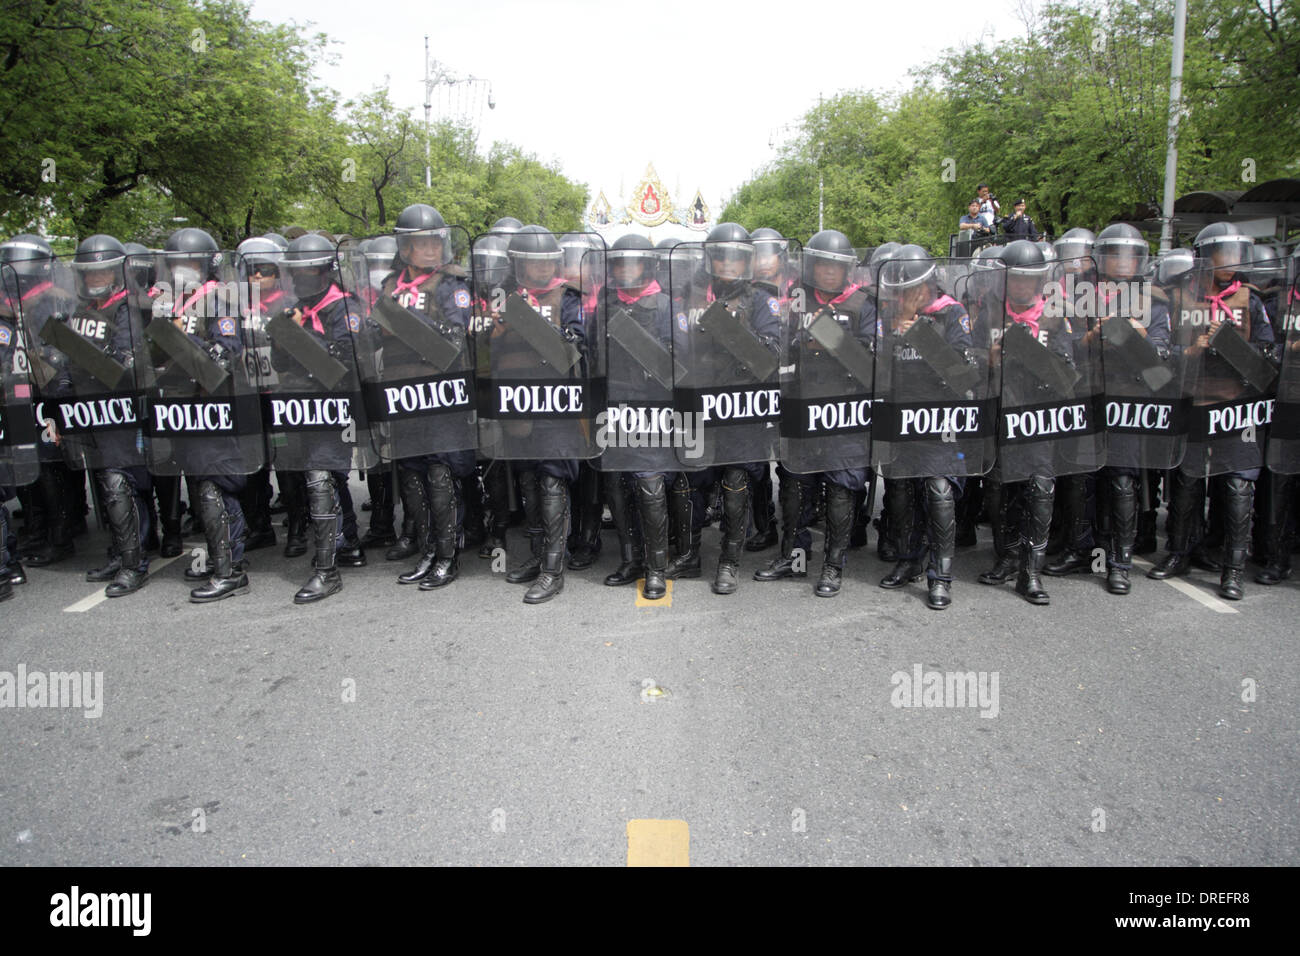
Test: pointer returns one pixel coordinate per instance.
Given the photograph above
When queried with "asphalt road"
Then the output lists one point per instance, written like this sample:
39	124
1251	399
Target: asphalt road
390	726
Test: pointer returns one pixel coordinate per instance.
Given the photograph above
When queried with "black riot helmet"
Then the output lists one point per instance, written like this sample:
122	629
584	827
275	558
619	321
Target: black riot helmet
278	239
310	261
578	248
1075	244
30	257
879	255
908	268
423	239
728	257
1223	244
507	225
535	256
1027	270
1267	265
828	247
191	257
663	253
632	262
1049	251
99	266
141	265
1120	252
491	261
1172	265
259	255
770	254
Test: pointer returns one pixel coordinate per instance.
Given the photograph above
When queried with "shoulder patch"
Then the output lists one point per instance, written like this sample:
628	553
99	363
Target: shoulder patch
964	319
354	322
461	298
681	321
773	306
5	335
226	326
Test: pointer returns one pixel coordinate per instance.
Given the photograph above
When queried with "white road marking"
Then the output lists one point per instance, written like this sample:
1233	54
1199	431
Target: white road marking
1193	592
99	597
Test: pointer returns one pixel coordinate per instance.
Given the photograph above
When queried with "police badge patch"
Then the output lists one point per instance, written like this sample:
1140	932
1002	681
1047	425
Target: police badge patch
4	335
226	326
461	298
354	323
965	323
681	321
774	306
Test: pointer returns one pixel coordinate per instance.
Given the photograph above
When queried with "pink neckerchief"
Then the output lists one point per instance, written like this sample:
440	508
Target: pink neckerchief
534	295
1293	295
651	289
942	303
116	297
411	285
199	293
263	305
34	290
1216	302
1030	316
330	297
839	298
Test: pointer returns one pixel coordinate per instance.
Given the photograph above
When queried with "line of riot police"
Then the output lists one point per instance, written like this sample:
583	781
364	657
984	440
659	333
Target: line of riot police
550	376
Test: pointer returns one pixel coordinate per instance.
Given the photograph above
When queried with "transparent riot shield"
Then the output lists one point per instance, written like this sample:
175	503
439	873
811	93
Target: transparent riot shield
1228	375
1145	411
1284	434
19	436
92	367
935	412
203	412
1050	418
827	369
536	396
312	409
727	334
414	350
632	355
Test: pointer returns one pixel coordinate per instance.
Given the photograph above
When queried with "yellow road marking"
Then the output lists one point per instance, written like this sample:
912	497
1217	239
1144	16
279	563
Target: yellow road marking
665	601
658	843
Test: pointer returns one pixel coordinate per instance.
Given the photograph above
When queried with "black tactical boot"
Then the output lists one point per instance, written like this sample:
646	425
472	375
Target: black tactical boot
631	567
52	488
681	508
1123	531
1075	557
382	532
496	487
1006	550
1185	504
470	493
941	507
442	532
652	502
555	524
415	502
840	503
293	492
588	508
168	490
1033	542
123	513
783	565
530	492
1276	540
735	514
900	498
1238	498
226	579
324	510
764	535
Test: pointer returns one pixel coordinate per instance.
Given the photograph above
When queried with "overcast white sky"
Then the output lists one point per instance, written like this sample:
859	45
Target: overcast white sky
605	87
